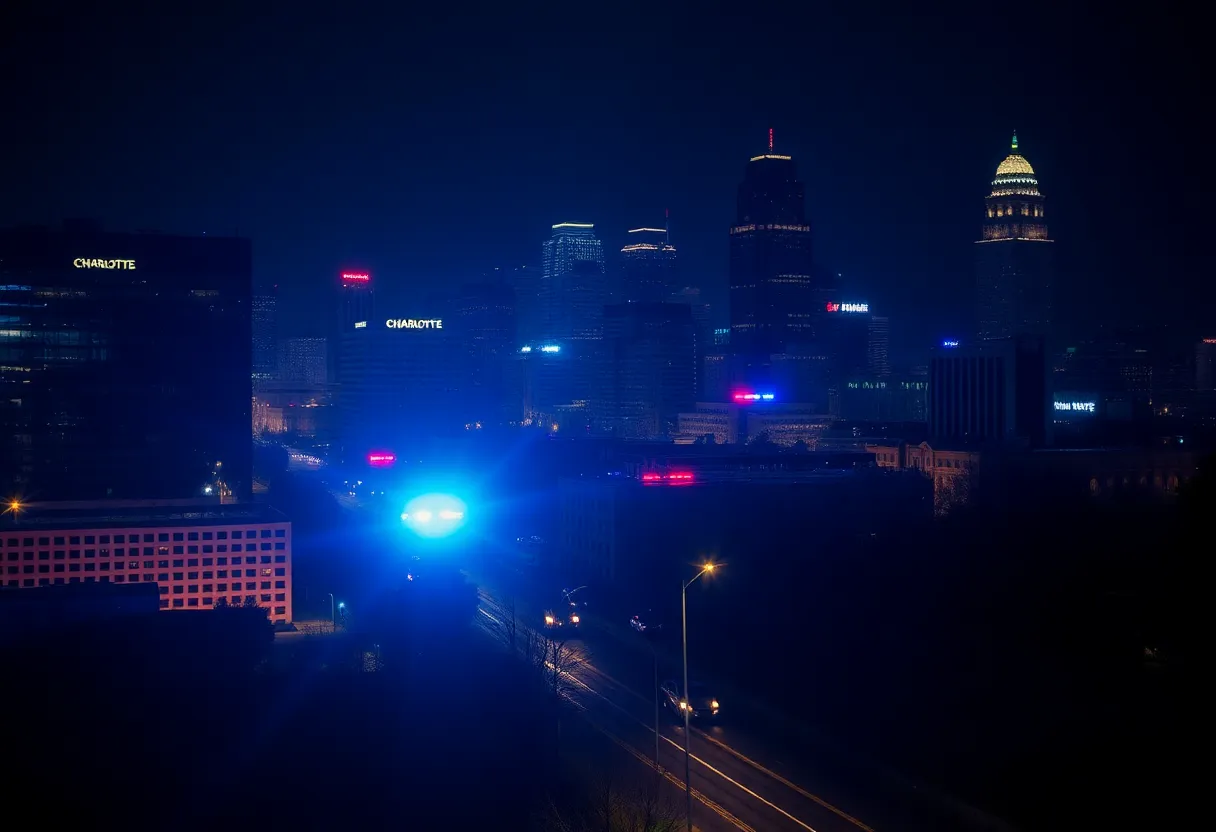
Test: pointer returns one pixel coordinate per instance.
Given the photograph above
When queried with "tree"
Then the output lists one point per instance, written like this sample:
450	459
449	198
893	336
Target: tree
599	803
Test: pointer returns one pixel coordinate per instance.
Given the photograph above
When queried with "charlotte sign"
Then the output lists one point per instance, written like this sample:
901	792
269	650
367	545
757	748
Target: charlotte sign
413	323
92	263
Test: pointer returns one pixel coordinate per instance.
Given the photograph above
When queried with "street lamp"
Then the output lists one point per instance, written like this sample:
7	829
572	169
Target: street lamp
685	703
333	615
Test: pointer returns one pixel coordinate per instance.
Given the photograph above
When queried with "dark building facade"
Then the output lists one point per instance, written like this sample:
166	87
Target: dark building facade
649	369
126	364
1013	261
991	392
773	297
574	288
648	266
486	332
265	334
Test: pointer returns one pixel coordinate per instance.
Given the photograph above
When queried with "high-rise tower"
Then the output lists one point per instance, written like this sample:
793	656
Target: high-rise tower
1014	259
772	292
649	261
573	287
265	334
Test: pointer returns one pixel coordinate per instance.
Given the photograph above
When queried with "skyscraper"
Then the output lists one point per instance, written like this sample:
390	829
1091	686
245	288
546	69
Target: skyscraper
649	261
880	346
304	361
573	287
125	364
650	373
773	300
356	305
485	332
265	334
1014	258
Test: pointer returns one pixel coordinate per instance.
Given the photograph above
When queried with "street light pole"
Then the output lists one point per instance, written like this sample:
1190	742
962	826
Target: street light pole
333	615
685	700
654	652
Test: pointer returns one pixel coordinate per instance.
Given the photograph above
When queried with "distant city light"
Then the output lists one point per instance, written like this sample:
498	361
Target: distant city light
381	458
949	343
525	349
1209	340
434	515
550	348
360	324
355	277
755	397
847	307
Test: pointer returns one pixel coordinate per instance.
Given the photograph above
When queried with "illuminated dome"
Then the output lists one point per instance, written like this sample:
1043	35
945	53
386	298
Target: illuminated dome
1015	175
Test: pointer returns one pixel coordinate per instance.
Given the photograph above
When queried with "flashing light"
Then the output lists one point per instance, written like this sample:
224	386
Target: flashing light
550	348
949	343
381	458
355	277
434	515
525	349
755	397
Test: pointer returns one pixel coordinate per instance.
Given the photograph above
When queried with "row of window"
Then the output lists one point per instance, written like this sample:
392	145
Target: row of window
207	602
149	537
46	569
121	551
162	564
192	589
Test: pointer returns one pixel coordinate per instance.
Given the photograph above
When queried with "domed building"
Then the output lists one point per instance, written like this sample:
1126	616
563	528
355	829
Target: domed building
1014	256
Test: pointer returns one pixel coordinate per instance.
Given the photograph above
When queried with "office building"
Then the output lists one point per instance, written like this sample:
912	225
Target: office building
400	380
484	330
752	418
304	361
991	392
1014	257
880	346
648	266
773	301
649	371
1205	366
196	553
574	288
125	364
265	334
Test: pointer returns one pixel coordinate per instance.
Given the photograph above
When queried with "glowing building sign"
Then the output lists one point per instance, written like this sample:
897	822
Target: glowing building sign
87	263
754	397
948	343
381	459
360	324
1209	340
673	478
1075	407
413	323
355	277
550	348
847	307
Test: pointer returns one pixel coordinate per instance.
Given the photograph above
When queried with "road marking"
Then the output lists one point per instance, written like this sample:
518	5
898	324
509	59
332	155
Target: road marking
840	812
649	763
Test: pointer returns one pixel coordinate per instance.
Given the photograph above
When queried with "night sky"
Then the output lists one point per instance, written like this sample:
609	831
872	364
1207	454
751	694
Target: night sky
429	149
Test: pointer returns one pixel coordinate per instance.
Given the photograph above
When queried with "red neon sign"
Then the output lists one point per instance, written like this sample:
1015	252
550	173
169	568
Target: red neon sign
355	277
674	478
832	307
381	458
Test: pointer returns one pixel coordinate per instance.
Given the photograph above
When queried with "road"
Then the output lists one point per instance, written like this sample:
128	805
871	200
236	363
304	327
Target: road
745	775
747	772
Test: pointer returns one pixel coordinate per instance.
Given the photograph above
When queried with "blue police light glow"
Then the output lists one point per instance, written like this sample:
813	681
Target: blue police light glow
434	515
949	343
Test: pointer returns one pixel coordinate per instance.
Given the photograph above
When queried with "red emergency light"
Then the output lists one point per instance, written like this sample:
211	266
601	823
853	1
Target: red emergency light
673	478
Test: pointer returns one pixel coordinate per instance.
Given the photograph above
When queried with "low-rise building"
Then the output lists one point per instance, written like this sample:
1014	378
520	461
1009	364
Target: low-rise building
197	553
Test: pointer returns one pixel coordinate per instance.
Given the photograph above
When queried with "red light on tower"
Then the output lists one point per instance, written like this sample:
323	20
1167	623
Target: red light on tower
356	277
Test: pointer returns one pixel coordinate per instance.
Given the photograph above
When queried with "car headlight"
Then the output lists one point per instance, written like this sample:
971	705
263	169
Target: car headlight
714	704
548	619
574	618
683	706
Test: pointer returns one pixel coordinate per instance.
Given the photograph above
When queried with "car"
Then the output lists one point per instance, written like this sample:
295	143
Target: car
570	619
646	624
705	705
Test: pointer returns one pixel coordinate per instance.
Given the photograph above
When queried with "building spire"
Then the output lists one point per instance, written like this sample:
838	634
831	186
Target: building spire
770	140
1015	139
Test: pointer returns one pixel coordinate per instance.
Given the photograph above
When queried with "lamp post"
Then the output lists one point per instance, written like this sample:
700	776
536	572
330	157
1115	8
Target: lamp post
686	704
333	615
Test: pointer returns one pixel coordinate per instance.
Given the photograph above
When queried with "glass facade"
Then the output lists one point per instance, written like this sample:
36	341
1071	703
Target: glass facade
125	364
